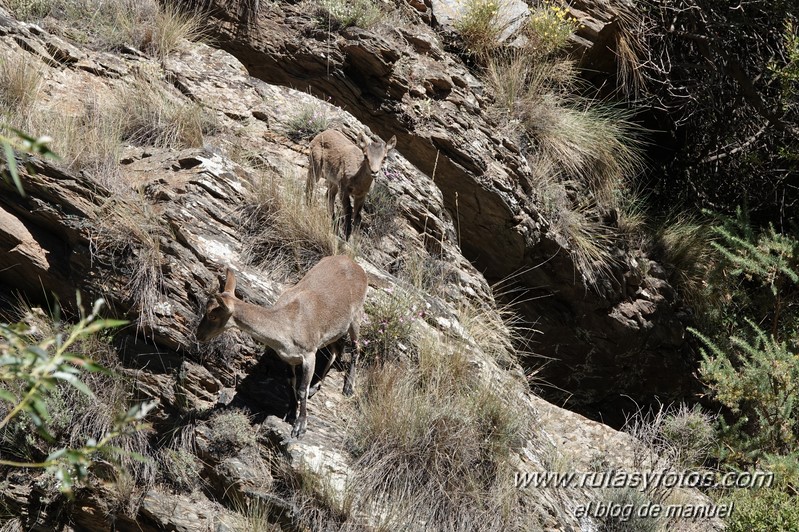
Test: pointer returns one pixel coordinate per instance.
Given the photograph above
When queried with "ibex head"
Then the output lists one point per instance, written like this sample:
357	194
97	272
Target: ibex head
218	311
375	152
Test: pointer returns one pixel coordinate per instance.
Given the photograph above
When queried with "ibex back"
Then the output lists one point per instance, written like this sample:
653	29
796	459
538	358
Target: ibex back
319	310
348	169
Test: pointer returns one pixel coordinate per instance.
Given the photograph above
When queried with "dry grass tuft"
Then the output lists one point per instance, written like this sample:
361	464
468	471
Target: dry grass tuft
130	233
150	117
683	246
283	229
593	144
345	13
90	142
172	25
152	27
20	80
433	443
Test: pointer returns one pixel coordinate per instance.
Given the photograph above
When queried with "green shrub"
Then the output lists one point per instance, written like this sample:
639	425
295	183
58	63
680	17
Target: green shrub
762	510
750	362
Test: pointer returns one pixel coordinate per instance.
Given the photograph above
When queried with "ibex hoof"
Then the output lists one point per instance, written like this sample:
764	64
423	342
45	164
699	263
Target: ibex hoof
299	428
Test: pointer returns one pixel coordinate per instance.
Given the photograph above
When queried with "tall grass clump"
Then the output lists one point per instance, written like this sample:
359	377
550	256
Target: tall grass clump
684	246
172	25
90	142
590	149
130	232
283	228
433	443
151	117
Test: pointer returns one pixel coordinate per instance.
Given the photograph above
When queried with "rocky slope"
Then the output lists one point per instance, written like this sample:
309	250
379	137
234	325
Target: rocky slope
624	338
461	202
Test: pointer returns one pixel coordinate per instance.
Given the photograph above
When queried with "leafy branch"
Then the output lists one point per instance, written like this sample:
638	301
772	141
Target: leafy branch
43	366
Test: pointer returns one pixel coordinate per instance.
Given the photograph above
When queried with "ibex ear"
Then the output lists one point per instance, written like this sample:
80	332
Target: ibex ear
230	282
221	301
364	140
391	143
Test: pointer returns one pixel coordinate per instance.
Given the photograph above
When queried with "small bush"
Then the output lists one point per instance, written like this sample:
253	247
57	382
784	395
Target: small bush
548	28
762	510
690	432
60	409
29	10
672	437
231	431
386	331
479	25
310	120
345	13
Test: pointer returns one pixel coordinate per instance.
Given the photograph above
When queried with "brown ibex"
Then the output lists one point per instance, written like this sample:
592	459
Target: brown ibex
348	170
316	312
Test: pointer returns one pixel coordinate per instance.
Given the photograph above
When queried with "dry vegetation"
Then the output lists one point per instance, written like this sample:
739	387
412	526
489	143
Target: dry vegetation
283	230
584	152
433	443
154	28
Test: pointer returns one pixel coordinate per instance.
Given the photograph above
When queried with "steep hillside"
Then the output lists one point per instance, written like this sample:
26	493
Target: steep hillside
181	161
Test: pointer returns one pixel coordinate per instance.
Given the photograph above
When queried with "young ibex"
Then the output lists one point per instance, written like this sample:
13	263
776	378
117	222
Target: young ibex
348	170
319	310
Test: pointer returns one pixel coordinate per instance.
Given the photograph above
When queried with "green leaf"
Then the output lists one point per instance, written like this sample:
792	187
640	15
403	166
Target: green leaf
101	325
8	396
86	364
13	170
